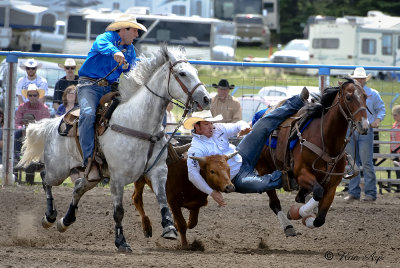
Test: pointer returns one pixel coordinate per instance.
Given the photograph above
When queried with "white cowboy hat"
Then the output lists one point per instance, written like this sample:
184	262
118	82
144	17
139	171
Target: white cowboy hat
125	21
33	87
68	62
359	72
204	115
30	63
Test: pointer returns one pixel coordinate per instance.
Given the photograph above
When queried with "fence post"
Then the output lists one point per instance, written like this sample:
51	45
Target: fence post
323	73
9	120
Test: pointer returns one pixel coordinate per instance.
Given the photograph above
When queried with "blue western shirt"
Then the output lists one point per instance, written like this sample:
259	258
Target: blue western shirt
100	60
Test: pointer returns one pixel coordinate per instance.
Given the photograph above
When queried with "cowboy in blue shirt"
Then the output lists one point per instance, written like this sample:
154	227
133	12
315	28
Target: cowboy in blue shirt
111	49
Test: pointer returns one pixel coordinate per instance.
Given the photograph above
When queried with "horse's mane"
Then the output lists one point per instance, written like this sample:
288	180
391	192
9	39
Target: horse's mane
315	110
144	69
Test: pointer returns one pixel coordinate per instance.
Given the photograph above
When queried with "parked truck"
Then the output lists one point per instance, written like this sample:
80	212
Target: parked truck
365	41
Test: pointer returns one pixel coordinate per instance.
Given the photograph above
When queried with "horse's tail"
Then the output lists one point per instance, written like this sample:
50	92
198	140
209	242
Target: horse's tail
33	146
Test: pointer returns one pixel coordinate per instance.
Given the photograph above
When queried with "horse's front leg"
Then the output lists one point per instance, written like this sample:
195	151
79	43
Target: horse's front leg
50	215
275	205
117	191
158	177
326	201
137	198
82	185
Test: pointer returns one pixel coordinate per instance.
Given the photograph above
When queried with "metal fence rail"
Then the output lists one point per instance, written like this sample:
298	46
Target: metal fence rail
324	72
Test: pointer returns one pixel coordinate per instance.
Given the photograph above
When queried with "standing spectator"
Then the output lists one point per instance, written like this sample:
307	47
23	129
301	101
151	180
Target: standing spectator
395	137
31	66
360	147
69	100
225	104
70	78
27	112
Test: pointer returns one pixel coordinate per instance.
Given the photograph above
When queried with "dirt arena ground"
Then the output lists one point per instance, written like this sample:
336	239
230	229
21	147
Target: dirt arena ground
245	233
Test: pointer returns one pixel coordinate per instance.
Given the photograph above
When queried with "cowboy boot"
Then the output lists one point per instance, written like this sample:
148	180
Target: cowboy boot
288	182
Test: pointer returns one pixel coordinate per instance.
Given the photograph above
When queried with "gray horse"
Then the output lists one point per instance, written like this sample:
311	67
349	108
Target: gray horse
145	93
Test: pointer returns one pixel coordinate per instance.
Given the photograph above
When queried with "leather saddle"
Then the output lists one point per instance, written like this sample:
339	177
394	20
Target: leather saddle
69	124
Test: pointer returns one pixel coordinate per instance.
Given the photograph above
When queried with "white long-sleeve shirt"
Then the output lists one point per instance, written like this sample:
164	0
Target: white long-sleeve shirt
217	144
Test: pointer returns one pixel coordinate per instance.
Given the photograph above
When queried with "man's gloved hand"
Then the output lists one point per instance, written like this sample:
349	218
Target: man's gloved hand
217	196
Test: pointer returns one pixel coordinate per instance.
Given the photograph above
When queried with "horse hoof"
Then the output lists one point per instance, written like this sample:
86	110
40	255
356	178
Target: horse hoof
124	249
290	231
309	220
293	213
60	226
170	232
46	224
147	233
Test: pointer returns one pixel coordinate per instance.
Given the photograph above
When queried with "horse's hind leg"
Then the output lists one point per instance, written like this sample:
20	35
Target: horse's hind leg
50	215
82	185
275	205
137	198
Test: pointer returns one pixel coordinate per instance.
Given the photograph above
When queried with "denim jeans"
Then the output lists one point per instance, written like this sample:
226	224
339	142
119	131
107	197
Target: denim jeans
252	144
247	181
363	157
88	98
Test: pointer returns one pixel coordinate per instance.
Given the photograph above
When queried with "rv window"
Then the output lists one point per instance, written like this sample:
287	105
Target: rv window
398	42
368	46
387	44
327	43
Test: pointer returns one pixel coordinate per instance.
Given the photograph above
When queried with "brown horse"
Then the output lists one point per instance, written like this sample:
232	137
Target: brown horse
318	159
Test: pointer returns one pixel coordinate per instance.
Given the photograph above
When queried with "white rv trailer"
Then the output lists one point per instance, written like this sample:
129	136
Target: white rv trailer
364	41
198	35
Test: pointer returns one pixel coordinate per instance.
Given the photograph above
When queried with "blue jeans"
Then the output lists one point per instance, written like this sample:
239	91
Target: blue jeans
363	157
246	181
88	98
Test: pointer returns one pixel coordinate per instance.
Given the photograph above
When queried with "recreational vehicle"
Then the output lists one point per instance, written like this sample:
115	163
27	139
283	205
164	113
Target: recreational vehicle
365	41
195	33
28	27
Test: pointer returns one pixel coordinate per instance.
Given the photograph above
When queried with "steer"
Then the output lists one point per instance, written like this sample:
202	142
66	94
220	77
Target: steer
181	193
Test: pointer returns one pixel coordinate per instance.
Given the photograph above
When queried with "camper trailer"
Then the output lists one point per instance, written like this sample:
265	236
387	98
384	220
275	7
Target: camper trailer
27	27
365	41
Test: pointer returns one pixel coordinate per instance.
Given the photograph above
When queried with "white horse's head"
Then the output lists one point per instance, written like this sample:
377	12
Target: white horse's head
170	75
183	80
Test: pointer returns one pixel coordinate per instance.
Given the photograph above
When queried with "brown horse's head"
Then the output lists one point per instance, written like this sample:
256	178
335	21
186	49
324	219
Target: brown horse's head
353	104
216	172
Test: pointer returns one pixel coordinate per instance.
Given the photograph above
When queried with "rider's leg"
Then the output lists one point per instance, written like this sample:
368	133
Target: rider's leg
88	98
247	181
251	145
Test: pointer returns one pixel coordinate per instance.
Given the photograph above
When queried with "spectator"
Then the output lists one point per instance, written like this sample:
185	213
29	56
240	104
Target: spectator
360	147
69	100
1	134
225	104
27	112
395	137
69	79
171	121
31	66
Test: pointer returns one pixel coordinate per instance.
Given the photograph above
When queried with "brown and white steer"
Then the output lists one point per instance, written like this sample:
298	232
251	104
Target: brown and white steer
181	193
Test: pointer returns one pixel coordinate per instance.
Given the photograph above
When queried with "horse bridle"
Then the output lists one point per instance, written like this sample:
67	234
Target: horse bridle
351	117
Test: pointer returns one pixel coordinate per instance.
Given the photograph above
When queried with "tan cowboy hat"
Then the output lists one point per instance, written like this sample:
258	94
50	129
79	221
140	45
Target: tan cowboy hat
204	115
68	62
359	72
33	87
125	21
30	63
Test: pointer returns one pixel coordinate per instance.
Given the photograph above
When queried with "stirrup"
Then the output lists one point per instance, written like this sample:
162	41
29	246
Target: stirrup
288	183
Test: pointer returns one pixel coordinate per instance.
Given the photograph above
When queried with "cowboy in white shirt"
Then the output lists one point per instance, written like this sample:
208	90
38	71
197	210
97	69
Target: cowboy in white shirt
211	139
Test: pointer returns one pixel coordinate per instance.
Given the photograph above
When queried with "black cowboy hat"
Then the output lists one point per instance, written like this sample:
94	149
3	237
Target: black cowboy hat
223	83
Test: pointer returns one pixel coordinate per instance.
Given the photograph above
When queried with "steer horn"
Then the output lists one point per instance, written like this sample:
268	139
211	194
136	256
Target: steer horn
201	160
229	156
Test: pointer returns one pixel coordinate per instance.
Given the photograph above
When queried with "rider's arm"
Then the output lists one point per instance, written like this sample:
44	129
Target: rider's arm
233	129
194	172
104	44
